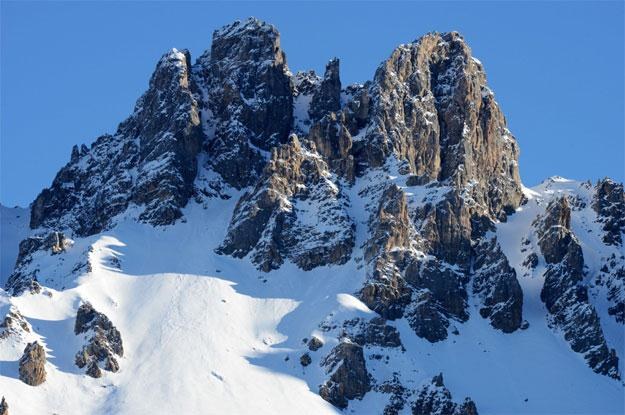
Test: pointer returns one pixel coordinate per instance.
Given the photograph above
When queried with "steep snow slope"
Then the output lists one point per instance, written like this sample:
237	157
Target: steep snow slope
205	333
13	228
191	338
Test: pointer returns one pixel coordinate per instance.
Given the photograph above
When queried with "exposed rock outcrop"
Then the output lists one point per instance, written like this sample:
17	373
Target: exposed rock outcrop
4	407
609	203
440	295
432	111
616	290
295	212
386	291
305	359
150	161
349	378
250	96
432	108
32	364
403	281
327	98
435	399
314	344
496	284
104	345
565	293
23	278
14	324
333	141
373	332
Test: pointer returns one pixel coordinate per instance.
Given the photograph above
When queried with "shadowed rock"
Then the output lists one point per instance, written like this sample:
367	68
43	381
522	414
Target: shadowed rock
14	324
435	399
374	332
315	343
295	212
4	407
104	344
328	97
149	161
349	379
496	284
609	203
250	95
564	292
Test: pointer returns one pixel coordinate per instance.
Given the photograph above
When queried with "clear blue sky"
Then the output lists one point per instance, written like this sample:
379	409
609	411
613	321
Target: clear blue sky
72	71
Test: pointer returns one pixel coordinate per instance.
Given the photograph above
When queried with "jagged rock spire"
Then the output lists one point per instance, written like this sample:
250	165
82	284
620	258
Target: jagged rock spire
250	96
433	110
328	97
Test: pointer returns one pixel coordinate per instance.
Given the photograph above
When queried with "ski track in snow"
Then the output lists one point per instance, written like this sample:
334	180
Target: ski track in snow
205	333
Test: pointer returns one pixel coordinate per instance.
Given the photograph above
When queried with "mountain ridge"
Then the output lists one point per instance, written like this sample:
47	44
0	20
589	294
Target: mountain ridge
403	188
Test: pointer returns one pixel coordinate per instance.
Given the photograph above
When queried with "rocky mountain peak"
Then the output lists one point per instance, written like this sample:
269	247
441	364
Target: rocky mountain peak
248	40
382	208
328	97
250	96
174	66
150	161
434	111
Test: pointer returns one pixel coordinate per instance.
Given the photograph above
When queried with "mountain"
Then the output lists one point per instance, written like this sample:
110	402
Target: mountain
13	228
251	240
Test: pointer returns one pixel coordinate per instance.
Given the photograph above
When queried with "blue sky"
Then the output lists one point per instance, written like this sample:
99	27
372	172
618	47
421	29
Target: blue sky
72	71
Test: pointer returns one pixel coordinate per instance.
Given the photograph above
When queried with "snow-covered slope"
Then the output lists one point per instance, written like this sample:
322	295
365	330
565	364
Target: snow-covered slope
204	333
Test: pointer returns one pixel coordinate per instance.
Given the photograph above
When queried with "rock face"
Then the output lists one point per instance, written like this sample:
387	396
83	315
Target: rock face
434	90
235	103
150	161
374	332
315	343
250	95
14	324
433	110
564	292
104	344
609	203
349	379
294	212
386	291
435	399
22	278
328	97
32	365
615	283
496	284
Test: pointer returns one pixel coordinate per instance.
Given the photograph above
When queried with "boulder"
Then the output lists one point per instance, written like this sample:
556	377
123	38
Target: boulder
32	365
104	342
315	343
349	379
